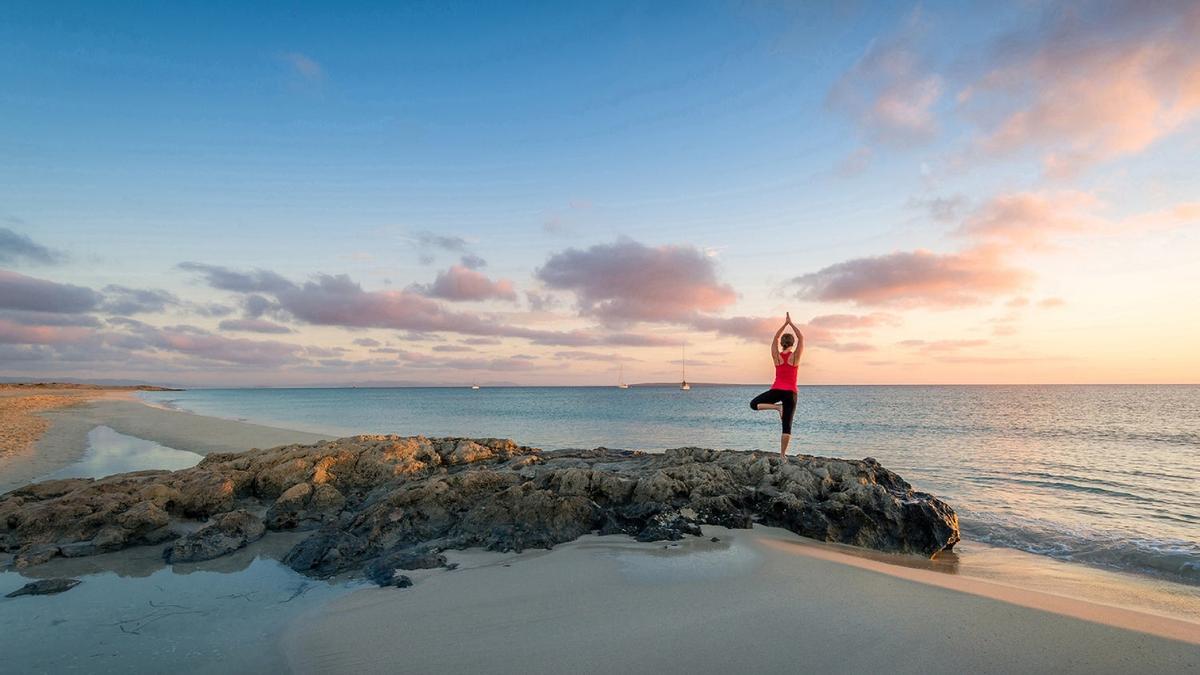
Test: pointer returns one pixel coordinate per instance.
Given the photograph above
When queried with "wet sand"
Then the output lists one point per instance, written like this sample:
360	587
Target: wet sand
762	600
65	441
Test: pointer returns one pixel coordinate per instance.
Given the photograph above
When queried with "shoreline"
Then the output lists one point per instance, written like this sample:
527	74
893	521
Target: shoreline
64	439
759	599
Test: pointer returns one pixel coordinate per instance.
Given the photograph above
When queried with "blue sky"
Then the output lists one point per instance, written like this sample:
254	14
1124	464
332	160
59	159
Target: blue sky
777	139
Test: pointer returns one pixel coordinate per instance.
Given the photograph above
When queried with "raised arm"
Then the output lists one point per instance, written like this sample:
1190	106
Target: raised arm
799	348
775	344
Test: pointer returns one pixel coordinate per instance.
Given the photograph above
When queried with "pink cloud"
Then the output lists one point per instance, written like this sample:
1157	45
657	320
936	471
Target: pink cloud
846	346
463	283
629	281
942	345
853	321
746	327
995	230
340	301
232	350
914	278
1094	84
891	92
1029	219
16	333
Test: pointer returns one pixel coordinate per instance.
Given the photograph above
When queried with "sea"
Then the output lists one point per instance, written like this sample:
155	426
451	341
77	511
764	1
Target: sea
1106	476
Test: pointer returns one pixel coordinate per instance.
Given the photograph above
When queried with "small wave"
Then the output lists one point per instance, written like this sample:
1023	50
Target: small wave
1063	485
167	404
1174	560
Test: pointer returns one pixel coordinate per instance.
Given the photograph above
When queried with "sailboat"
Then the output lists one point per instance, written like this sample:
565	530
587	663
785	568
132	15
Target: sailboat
621	378
684	386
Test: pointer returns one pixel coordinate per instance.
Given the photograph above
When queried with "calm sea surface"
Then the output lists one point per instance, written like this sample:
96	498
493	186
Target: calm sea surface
1105	475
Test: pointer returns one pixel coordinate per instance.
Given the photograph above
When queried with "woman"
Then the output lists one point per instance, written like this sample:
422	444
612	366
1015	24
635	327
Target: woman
782	394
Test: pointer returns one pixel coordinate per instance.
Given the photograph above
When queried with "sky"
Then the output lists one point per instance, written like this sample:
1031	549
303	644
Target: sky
284	194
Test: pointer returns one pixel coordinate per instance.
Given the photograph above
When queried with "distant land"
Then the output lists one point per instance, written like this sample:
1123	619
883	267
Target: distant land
83	385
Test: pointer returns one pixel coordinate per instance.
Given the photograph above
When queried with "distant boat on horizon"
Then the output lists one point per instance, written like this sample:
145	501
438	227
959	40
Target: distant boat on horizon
474	386
684	386
621	378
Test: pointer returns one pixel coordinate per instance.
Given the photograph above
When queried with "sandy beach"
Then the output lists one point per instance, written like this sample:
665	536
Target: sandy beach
762	599
21	425
46	429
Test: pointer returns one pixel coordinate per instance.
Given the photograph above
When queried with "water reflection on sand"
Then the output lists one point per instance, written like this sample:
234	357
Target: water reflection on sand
134	614
109	452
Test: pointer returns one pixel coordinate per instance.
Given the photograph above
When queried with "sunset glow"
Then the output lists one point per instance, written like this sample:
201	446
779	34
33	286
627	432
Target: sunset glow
939	193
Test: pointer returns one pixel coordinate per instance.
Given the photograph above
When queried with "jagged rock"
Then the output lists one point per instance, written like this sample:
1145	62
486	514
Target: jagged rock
225	534
370	494
328	552
305	505
669	526
385	570
45	587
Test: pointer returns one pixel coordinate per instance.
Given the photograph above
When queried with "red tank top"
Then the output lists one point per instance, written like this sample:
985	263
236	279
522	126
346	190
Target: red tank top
785	374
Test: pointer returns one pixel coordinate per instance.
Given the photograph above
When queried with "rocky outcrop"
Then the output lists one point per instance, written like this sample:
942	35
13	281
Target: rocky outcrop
383	501
225	534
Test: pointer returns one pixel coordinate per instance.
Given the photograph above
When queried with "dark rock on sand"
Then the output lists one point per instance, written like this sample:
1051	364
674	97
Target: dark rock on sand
45	587
668	526
328	552
368	497
225	534
385	570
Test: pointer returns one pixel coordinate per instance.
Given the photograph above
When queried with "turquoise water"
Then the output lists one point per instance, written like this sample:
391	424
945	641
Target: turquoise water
1105	475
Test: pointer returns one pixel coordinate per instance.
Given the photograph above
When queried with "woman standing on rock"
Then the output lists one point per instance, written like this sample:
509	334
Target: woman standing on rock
781	396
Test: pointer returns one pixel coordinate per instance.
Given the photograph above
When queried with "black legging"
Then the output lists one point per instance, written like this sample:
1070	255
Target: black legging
787	398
